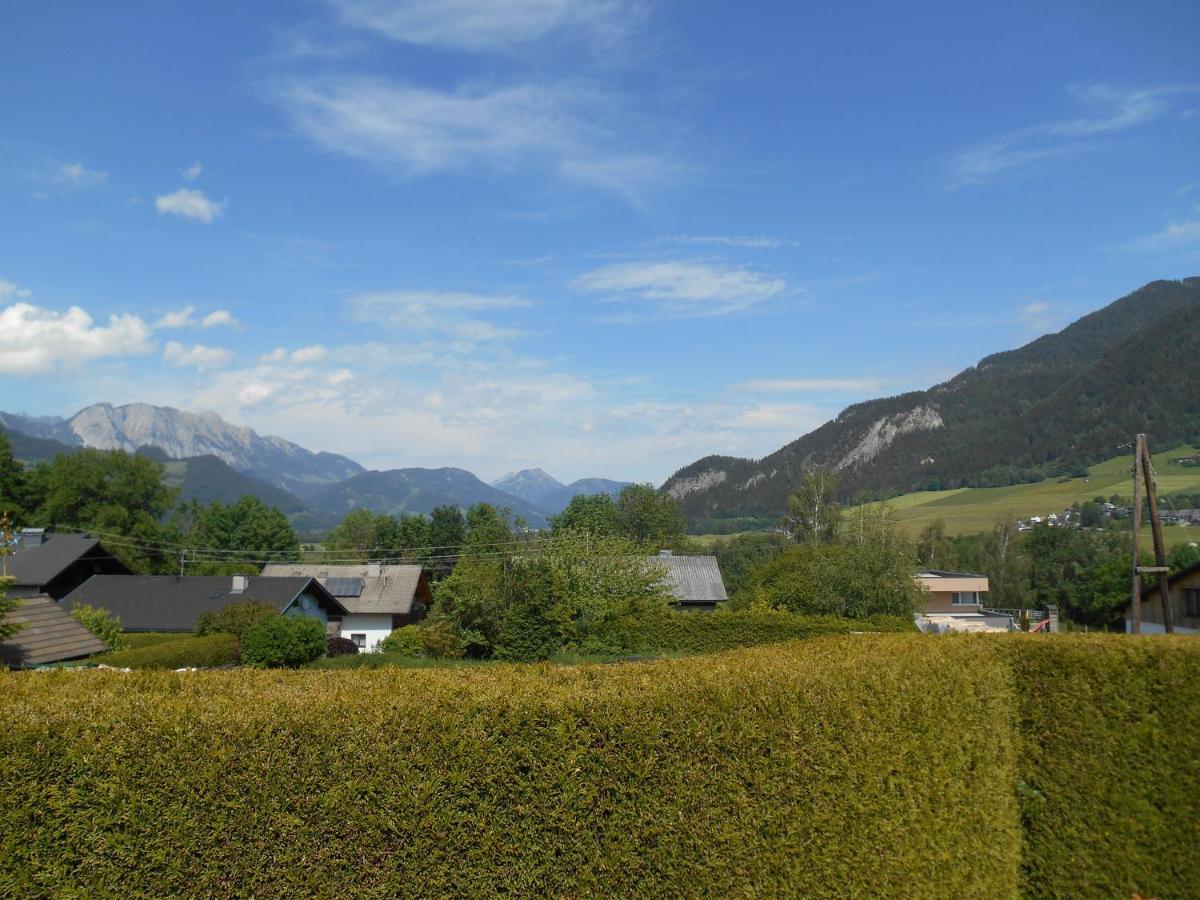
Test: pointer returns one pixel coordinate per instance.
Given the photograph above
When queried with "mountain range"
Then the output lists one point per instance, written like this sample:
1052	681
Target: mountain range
209	459
1061	402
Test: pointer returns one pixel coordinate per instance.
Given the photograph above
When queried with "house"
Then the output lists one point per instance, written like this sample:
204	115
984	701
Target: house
378	598
1184	588
49	635
56	564
174	603
694	581
955	603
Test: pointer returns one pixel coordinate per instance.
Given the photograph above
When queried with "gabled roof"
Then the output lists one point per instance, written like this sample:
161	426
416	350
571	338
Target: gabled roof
172	603
694	580
50	635
1147	590
365	587
41	564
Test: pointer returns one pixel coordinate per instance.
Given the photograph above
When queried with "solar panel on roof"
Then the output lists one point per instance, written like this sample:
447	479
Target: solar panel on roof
344	587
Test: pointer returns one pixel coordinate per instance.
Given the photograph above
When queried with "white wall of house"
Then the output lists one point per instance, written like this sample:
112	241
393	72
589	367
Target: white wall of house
1157	628
373	626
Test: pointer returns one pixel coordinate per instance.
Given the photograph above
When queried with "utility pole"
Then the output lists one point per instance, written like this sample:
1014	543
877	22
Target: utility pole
1160	547
1135	618
5	540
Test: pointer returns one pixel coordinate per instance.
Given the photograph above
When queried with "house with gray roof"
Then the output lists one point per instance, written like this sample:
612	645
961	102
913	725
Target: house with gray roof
174	603
694	581
48	635
55	564
378	598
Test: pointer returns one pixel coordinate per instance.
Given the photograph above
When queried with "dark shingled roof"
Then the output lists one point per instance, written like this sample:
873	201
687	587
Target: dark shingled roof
50	635
171	603
43	563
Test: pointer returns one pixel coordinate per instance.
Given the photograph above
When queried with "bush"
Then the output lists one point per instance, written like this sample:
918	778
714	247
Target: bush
699	632
283	641
1109	786
441	639
340	646
404	641
134	640
834	767
184	653
101	623
235	618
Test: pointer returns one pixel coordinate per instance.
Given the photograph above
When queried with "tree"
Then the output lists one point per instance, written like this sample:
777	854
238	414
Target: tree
934	550
7	605
120	496
813	510
13	486
101	623
590	513
234	618
1090	515
1183	556
447	529
487	529
284	641
647	515
363	535
247	530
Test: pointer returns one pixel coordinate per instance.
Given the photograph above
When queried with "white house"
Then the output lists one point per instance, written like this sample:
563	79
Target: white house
378	598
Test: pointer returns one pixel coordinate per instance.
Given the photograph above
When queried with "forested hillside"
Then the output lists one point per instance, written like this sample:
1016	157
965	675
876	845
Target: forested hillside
1057	404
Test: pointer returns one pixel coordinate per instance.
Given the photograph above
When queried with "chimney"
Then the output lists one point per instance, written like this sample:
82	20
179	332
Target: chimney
374	569
239	584
32	537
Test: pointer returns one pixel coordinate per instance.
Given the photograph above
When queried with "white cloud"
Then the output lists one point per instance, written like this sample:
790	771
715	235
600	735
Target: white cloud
1038	316
312	354
418	131
1108	110
191	204
8	289
681	288
1177	235
809	385
183	318
196	355
34	340
487	24
75	176
439	311
218	318
192	172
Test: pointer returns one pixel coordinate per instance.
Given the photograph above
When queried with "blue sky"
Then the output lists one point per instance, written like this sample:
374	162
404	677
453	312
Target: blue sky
603	238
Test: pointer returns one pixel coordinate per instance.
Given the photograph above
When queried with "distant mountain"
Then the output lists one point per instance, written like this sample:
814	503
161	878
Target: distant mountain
531	485
184	435
1065	399
208	479
412	491
29	449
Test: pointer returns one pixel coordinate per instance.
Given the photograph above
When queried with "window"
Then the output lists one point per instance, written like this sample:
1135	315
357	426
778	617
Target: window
360	641
965	598
1191	602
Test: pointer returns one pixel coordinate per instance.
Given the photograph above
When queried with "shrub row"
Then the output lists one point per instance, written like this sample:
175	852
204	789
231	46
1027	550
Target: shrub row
1110	764
697	632
184	653
859	766
135	640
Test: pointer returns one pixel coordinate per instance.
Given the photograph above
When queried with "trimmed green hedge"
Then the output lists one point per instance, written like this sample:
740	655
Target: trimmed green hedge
856	766
186	652
702	632
135	640
1110	764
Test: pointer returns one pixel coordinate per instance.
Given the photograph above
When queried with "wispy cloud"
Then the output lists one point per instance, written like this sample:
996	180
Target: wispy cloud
190	204
487	24
196	356
35	340
414	131
439	311
681	289
9	290
1038	316
192	172
1176	236
77	176
218	318
186	318
809	385
1107	110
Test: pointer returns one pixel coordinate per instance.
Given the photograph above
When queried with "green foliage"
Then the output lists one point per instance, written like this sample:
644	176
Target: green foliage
696	632
934	549
13	487
1183	557
185	652
650	516
364	535
739	556
135	640
113	493
404	641
1085	574
281	641
828	768
441	638
487	529
235	618
813	509
7	605
590	513
868	571
447	529
101	623
1109	788
247	525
